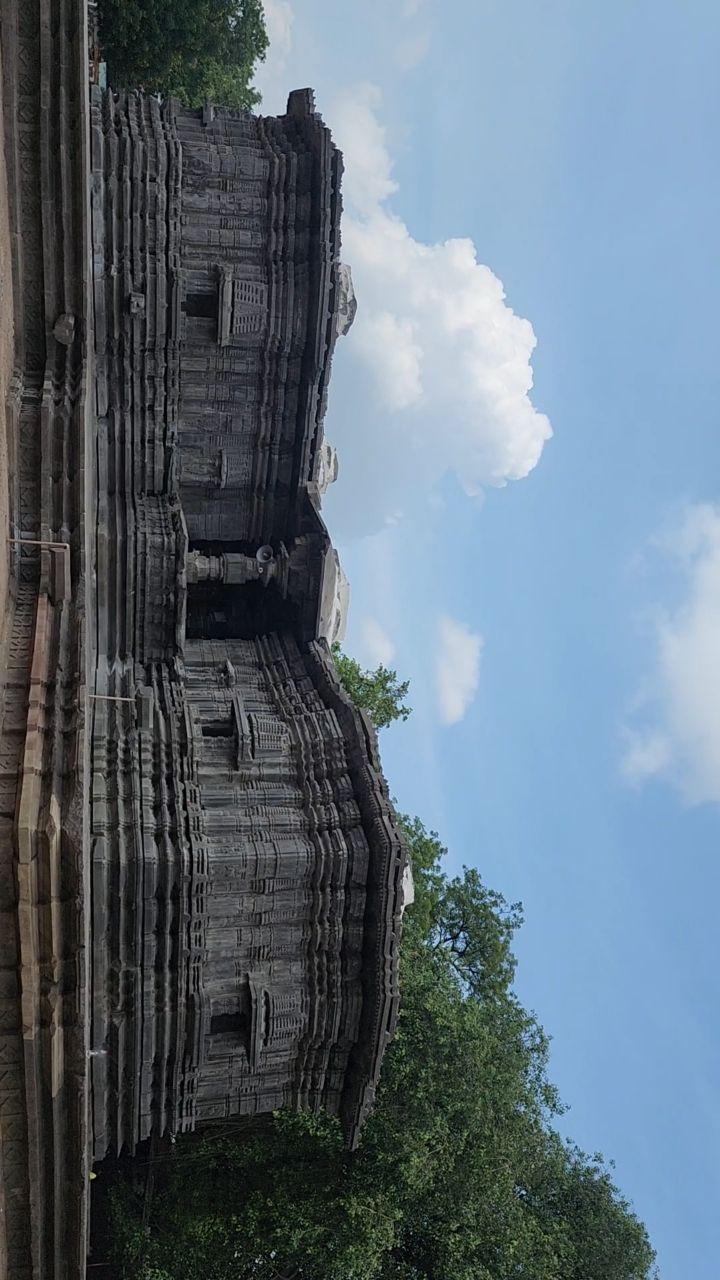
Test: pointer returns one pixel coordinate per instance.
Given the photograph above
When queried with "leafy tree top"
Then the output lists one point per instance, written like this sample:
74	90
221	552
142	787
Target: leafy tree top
194	50
460	1174
378	692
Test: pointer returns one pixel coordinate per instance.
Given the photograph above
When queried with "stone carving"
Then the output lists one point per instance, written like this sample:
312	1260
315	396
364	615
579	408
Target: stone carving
201	878
328	467
42	793
262	870
408	887
347	302
232	567
64	329
335	600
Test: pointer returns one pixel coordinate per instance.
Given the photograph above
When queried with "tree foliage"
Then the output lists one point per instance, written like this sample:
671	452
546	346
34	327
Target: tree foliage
195	50
460	1174
378	692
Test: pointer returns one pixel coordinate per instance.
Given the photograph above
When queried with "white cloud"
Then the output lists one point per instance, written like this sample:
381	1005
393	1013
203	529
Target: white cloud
357	130
414	42
271	75
647	754
678	731
377	647
398	370
413	50
457	668
447	358
279	18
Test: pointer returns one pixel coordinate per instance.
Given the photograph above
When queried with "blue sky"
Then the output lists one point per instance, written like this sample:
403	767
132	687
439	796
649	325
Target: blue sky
555	601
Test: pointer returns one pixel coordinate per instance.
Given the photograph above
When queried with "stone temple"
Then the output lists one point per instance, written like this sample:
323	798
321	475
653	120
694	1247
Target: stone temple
201	876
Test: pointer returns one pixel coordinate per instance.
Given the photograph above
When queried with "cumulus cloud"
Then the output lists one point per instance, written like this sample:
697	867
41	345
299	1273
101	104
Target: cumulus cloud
376	645
271	75
647	754
457	668
398	369
675	733
447	358
360	134
413	49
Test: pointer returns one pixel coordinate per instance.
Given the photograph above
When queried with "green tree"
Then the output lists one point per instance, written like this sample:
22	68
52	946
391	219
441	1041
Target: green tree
472	924
378	692
460	1174
195	50
282	1203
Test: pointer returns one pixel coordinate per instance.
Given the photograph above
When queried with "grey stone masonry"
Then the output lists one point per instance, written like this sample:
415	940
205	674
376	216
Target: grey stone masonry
246	867
44	1147
201	877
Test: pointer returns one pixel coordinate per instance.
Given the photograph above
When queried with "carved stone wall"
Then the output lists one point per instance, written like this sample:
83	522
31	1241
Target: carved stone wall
215	233
260	205
43	1164
200	873
246	867
232	867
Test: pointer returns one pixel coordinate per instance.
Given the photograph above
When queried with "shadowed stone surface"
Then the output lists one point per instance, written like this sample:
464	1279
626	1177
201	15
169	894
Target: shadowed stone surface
43	1136
247	872
201	879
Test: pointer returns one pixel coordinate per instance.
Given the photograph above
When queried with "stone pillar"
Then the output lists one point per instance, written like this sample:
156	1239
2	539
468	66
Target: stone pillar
232	567
202	568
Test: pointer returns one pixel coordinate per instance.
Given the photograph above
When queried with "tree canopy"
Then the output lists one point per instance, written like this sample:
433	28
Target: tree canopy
460	1173
195	50
378	692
